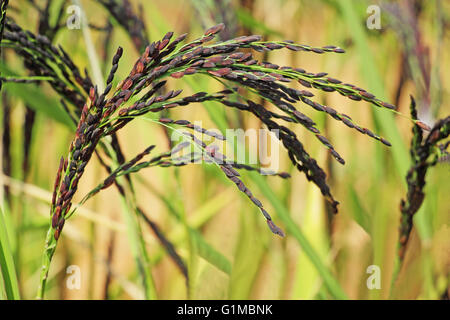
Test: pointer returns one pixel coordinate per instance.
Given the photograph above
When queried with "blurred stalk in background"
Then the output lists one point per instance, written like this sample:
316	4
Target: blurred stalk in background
205	240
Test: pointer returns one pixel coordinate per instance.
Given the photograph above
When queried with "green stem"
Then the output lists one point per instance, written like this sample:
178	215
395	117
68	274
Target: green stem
49	251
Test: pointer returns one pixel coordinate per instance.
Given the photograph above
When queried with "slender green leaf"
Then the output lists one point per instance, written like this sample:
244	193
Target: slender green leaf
7	263
36	99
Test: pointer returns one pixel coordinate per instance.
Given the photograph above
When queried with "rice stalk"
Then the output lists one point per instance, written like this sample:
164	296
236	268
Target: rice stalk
106	112
7	265
426	152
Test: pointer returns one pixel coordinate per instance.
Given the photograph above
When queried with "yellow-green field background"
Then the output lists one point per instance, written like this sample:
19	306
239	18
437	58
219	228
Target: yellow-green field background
263	266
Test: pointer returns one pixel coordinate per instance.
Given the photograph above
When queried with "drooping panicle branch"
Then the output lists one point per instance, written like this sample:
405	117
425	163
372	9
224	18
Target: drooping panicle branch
161	64
425	153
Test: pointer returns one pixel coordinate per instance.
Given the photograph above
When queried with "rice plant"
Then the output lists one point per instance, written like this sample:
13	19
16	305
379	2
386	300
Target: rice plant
281	99
426	152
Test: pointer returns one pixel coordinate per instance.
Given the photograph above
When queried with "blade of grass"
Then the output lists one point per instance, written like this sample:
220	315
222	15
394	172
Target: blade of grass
372	76
204	214
283	213
93	59
219	119
250	249
7	263
191	244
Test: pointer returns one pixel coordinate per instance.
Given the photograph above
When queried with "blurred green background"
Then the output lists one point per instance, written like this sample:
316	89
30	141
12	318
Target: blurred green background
229	252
